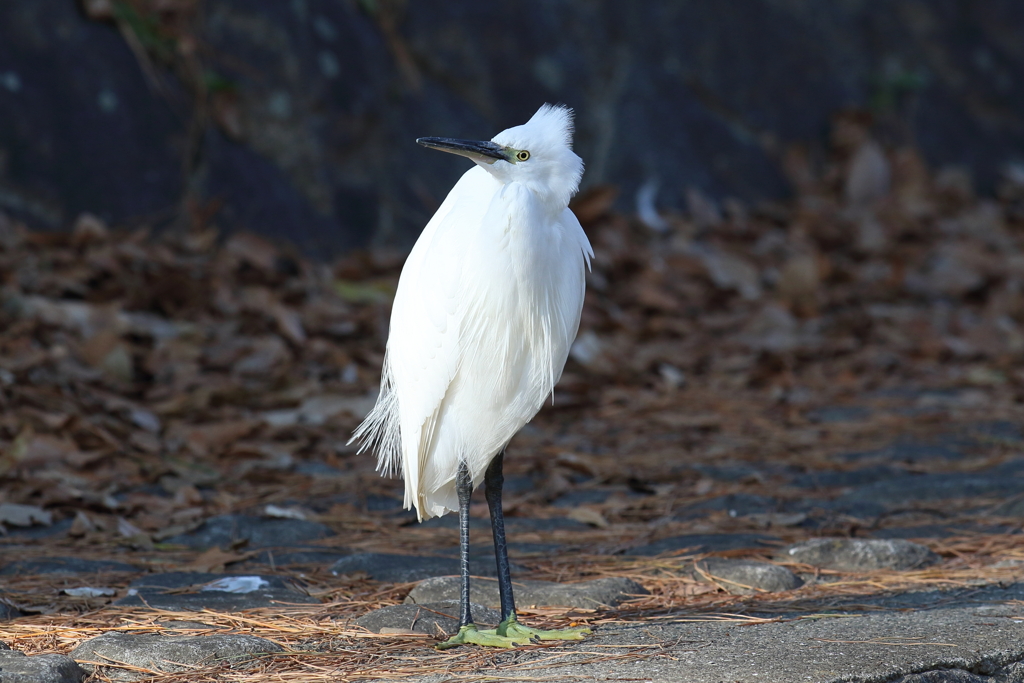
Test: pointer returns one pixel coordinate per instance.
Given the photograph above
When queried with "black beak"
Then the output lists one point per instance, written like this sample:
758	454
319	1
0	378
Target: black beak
486	151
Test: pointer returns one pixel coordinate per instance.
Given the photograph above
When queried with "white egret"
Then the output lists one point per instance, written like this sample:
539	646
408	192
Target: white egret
487	306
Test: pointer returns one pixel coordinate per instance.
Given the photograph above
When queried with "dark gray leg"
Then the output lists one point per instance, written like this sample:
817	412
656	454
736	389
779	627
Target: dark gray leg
509	633
493	481
464	487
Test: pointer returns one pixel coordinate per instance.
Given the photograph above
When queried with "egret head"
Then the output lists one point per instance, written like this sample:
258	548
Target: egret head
537	154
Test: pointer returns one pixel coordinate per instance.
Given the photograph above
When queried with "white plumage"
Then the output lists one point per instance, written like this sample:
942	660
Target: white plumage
487	306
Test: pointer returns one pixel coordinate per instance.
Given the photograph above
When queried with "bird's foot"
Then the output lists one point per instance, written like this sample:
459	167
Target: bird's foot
510	633
511	628
471	635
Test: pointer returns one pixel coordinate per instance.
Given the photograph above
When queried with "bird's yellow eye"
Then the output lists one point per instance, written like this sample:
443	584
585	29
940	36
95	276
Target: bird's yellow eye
522	155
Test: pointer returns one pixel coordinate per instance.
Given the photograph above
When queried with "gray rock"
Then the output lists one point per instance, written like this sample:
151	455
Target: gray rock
180	625
66	565
942	530
736	504
832	414
258	532
16	667
945	676
917	531
850	506
859	554
377	503
1013	507
703	543
317	469
518	483
606	592
897	491
730	471
1002	431
435	618
913	451
837	650
397	568
282	557
169	653
514	524
219	592
745	577
55	529
840	478
1011	673
582	497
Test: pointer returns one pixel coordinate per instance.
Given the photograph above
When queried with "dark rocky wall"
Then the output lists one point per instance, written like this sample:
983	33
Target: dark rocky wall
79	127
311	136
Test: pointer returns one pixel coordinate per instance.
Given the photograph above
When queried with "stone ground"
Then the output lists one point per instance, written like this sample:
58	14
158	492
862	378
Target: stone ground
744	583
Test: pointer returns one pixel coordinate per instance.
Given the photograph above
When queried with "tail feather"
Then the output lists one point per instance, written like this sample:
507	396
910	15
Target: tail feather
380	431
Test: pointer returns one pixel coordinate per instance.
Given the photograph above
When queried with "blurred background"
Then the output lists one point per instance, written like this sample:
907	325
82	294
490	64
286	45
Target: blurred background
296	118
805	316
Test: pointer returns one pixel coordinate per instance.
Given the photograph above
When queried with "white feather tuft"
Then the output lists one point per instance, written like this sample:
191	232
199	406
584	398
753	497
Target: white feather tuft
553	120
380	431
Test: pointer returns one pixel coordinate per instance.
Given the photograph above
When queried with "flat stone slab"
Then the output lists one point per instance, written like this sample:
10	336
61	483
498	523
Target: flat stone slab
833	414
705	543
219	592
1010	508
439	619
257	532
859	554
54	529
582	497
67	565
168	653
929	487
1006	674
736	504
282	557
912	450
944	530
1004	480
953	631
606	592
17	667
824	479
745	577
404	568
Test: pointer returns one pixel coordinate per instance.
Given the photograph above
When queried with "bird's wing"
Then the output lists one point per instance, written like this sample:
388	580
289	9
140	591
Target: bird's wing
382	430
424	349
